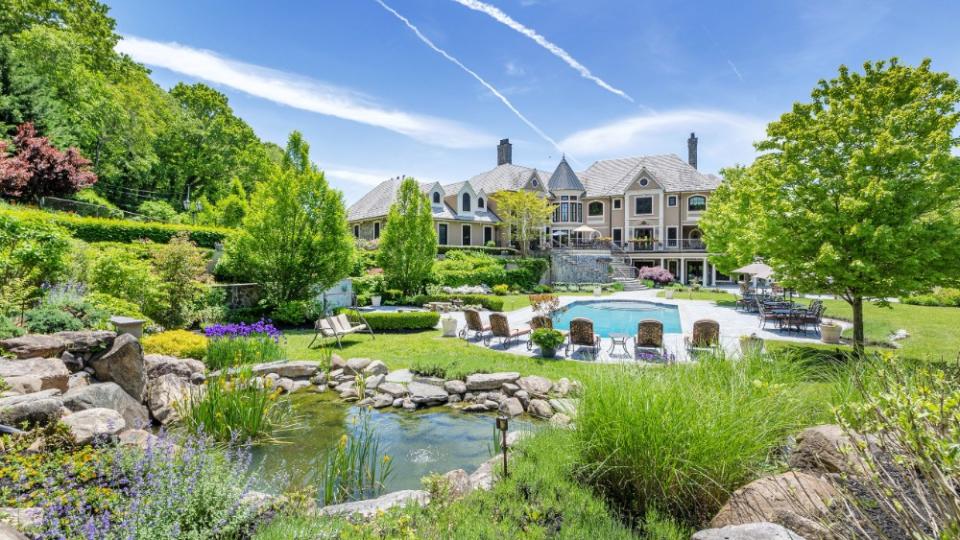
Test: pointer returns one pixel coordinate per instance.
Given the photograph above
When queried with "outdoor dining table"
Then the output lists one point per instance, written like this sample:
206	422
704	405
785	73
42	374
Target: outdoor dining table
621	340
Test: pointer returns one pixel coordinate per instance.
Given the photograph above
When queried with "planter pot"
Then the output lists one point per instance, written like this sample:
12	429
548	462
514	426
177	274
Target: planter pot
375	301
830	333
449	326
548	353
668	294
596	291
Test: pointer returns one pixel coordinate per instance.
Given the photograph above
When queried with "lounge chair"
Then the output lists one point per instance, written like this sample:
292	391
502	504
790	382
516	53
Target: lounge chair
649	336
337	327
706	337
541	321
475	325
581	335
500	327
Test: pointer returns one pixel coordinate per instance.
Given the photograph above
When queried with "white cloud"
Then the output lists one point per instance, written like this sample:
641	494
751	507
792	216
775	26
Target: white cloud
501	17
299	92
725	138
514	70
359	177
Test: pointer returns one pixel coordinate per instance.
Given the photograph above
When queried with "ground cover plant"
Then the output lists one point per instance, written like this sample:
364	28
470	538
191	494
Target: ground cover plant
179	343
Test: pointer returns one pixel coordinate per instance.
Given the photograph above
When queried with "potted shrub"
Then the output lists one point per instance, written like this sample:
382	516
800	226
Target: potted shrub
830	332
548	340
376	296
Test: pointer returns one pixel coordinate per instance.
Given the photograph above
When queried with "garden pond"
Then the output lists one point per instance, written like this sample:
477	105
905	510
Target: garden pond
433	440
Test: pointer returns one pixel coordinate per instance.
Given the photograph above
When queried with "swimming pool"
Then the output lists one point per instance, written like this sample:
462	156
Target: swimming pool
618	316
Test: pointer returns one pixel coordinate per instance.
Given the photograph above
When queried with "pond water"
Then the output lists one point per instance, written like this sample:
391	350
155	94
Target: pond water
618	316
434	440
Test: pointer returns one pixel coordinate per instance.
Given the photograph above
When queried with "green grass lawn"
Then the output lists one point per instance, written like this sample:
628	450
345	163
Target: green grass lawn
428	348
933	334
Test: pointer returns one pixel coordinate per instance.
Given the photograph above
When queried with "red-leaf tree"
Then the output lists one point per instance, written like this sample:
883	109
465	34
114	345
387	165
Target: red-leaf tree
35	168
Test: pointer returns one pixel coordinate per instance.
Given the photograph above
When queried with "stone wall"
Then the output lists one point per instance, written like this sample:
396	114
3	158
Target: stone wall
241	295
569	268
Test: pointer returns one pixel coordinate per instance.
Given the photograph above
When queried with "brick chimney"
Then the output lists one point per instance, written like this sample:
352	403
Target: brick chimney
692	150
504	152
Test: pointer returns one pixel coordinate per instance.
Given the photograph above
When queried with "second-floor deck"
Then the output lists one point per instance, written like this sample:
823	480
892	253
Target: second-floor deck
633	246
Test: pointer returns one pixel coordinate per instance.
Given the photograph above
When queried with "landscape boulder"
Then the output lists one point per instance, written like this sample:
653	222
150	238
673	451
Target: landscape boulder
297	369
34	346
94	424
108	395
159	364
356	365
376	368
124	365
163	394
371	507
749	531
455	387
400	376
540	409
536	386
8	532
566	406
511	407
86	341
139	438
426	394
21	518
25	373
490	381
824	449
394	389
459	483
39	408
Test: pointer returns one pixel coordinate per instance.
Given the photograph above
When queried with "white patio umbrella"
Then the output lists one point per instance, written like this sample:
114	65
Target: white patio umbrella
587	230
756	270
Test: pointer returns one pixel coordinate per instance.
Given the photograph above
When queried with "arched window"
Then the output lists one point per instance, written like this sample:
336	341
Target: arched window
479	202
595	209
697	203
436	197
465	204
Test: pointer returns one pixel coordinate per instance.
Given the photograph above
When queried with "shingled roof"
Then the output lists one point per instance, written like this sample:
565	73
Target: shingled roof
563	178
614	176
377	202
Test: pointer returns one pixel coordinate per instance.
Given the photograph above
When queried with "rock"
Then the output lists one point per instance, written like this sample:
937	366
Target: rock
158	364
123	364
796	500
524	398
297	369
94	424
373	382
79	379
459	482
8	532
198	378
423	379
510	388
394	389
39	408
515	437
336	362
560	420
562	387
26	385
320	379
475	408
490	405
34	346
139	438
426	394
454	398
86	341
291	386
455	387
382	400
495	396
51	372
365	402
540	409
534	385
490	381
749	531
483	477
825	449
376	368
372	507
108	395
285	384
163	394
511	407
21	518
409	405
398	402
469	396
73	362
342	387
356	365
566	406
400	376
350	394
257	501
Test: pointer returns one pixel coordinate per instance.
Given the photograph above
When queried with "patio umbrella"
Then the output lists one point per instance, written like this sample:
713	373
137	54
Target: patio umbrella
756	270
586	230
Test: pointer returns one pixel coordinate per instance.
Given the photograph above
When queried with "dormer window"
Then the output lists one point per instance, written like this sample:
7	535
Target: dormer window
479	202
436	197
465	203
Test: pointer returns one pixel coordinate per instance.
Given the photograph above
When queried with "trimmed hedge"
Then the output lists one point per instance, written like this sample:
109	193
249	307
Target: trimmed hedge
93	229
397	320
484	249
488	302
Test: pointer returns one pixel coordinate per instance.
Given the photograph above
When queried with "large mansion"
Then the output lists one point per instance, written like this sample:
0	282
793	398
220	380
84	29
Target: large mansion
644	209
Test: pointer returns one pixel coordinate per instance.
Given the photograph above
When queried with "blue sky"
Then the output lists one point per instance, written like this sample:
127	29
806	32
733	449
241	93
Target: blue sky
375	100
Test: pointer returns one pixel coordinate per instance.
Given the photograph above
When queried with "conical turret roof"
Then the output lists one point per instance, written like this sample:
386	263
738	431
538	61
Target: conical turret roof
563	178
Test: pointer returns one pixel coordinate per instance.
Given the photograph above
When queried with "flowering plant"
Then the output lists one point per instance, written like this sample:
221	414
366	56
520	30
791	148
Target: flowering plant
260	328
656	274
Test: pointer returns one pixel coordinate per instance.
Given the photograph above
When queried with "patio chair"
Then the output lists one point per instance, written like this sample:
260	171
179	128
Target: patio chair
581	335
475	325
706	336
541	321
649	336
768	315
500	327
338	327
811	317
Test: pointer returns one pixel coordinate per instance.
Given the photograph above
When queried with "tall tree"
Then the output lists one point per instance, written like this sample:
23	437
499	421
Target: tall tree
295	237
857	193
36	169
525	213
408	245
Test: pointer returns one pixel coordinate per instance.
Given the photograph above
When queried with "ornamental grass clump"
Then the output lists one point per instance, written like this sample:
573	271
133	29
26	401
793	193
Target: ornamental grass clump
241	343
357	468
679	440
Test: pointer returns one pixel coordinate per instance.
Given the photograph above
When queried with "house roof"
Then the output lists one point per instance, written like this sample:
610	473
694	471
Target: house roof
563	178
377	202
614	176
500	178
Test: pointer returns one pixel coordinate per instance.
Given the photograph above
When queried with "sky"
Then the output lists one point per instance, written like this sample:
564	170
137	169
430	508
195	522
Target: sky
427	88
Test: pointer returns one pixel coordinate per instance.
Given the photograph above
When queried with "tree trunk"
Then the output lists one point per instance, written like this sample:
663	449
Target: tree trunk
856	302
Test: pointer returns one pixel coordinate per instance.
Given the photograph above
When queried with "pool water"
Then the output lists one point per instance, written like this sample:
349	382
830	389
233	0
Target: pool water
618	316
435	440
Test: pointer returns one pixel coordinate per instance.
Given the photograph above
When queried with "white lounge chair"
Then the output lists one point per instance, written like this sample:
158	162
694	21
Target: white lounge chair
337	327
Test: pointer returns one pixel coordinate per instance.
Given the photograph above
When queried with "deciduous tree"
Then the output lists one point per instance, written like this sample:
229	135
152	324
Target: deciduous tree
36	169
408	245
525	214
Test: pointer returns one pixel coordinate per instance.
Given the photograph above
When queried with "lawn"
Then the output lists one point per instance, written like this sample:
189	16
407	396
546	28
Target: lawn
932	330
428	348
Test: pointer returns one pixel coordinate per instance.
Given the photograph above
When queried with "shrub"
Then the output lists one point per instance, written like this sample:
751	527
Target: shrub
64	308
49	319
113	306
157	211
181	269
179	343
104	208
296	312
501	290
939	296
488	302
547	338
543	289
121	273
9	329
656	274
398	320
238	344
32	252
647	443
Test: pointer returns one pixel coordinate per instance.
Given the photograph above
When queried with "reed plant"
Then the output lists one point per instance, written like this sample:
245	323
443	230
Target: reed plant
224	352
356	468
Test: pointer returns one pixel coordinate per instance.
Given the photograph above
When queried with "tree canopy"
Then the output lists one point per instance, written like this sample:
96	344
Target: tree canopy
408	245
525	213
856	192
36	169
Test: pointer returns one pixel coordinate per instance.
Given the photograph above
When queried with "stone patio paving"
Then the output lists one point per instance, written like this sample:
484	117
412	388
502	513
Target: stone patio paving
733	324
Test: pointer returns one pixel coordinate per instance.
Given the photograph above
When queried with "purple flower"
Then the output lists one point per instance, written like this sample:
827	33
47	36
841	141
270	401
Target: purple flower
262	327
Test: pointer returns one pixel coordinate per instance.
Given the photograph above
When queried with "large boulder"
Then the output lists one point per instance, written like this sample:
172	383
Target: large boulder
540	409
749	531
297	369
39	408
489	381
396	390
536	386
356	365
427	394
124	365
375	368
26	373
159	364
21	518
163	393
371	507
459	483
455	387
108	395
825	449
400	376
566	406
795	500
511	407
7	532
94	424
86	341
34	346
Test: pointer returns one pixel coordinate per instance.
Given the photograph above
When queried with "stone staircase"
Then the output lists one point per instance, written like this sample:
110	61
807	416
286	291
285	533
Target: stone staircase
621	271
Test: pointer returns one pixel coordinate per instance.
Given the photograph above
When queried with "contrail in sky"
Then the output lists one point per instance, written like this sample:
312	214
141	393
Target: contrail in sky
472	73
554	49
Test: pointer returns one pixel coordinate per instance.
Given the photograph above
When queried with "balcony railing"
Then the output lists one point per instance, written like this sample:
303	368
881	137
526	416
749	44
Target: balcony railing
636	245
